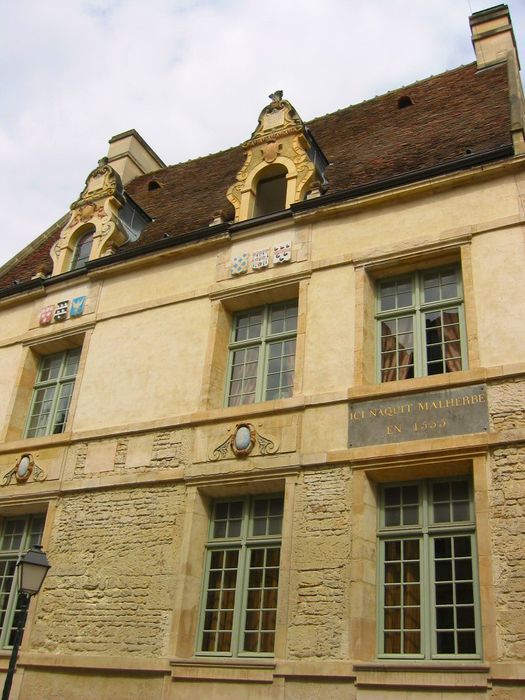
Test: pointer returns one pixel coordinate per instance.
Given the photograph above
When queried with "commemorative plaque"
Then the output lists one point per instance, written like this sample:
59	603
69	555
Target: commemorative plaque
420	416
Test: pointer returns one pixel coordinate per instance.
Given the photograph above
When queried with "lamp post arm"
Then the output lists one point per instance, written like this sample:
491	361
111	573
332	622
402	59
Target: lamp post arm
24	606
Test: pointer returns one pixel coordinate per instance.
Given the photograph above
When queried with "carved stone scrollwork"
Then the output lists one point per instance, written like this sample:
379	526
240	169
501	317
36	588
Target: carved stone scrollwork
102	182
280	138
241	442
24	468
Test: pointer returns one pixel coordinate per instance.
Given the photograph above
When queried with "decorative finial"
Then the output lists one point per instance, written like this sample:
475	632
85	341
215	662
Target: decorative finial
276	96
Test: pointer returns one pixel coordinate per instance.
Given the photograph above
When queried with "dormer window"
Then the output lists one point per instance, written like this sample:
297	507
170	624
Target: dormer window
282	160
271	191
83	249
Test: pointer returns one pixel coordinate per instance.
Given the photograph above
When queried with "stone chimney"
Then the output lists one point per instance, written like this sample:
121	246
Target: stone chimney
494	42
131	156
493	36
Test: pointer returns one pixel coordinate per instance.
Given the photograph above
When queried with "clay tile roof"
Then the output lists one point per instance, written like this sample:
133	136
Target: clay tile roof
458	112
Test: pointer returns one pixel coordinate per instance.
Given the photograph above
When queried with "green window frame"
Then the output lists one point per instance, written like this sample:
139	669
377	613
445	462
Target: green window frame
52	393
420	324
17	535
428	597
241	581
262	354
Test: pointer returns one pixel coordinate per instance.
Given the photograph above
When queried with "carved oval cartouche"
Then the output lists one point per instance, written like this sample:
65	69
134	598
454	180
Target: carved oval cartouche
242	438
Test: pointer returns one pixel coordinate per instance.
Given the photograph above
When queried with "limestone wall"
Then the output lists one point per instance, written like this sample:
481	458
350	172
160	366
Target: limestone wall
318	615
110	589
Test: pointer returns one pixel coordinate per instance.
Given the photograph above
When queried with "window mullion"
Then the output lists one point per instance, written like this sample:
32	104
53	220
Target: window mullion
53	409
263	357
242	573
463	335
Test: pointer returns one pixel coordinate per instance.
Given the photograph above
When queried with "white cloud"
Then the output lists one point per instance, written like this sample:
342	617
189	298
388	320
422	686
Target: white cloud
191	76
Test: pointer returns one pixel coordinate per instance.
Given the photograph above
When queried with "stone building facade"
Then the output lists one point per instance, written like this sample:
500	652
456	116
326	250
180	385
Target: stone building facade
265	410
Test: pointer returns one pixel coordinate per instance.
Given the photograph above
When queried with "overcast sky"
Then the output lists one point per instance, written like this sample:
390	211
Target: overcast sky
191	77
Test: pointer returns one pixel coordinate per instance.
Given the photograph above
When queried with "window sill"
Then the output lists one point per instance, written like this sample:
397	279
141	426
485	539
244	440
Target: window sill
30	444
406	386
223	669
451	674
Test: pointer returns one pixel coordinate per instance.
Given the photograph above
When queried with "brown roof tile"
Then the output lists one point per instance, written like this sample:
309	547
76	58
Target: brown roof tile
458	112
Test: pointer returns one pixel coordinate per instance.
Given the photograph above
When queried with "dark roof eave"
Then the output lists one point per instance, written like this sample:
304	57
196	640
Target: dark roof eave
209	232
406	179
258	220
162	244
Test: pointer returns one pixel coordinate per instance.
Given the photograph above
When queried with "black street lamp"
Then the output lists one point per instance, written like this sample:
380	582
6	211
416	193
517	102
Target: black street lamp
32	568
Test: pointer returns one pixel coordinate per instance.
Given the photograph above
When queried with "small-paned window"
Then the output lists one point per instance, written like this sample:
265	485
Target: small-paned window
239	603
52	393
428	594
17	536
420	325
82	251
271	193
262	354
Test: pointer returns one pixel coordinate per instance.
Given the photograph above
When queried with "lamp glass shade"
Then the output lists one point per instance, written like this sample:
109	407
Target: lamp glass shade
32	570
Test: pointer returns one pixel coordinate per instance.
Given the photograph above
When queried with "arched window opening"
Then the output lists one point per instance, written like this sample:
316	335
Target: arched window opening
405	101
153	185
83	250
271	191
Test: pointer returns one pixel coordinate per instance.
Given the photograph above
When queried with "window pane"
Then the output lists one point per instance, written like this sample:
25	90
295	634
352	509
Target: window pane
227	519
248	325
263	577
401	505
440	285
283	318
279	381
396	295
451	501
82	251
402	612
442	340
267	517
454	594
219	601
397	348
243	376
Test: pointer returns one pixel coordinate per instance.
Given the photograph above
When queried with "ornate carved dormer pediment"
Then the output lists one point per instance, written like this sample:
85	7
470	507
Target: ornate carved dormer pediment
102	182
102	211
281	146
277	118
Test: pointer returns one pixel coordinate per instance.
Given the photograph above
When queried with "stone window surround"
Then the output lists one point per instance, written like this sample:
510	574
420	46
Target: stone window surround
21	400
186	604
364	594
249	189
415	540
261	343
224	305
51	391
417	312
245	640
374	266
29	536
